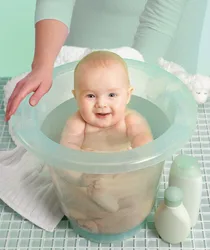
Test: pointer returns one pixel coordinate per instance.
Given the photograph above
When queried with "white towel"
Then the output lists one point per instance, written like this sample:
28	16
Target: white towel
23	187
198	84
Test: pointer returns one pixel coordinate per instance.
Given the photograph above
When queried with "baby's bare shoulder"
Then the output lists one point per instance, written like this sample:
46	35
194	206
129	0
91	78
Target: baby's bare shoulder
136	122
75	123
134	116
75	117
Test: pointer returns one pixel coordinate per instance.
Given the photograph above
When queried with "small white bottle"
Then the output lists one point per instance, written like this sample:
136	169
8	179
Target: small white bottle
172	221
185	173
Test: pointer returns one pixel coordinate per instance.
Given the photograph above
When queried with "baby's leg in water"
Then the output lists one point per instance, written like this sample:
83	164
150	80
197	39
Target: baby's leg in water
88	179
130	215
131	183
100	195
80	206
75	201
98	192
118	186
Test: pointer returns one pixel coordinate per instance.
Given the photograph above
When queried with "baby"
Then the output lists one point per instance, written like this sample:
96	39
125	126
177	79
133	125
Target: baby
104	123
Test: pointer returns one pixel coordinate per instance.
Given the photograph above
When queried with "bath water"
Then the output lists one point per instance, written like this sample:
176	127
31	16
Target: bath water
55	121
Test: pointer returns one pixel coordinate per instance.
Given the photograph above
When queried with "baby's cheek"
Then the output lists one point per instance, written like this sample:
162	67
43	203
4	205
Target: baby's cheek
120	107
86	105
119	114
120	102
83	103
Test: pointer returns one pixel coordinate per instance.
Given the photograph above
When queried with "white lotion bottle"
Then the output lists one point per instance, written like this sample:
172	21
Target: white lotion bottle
185	173
172	221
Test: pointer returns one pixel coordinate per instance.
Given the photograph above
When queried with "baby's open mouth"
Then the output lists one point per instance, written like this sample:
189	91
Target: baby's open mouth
102	114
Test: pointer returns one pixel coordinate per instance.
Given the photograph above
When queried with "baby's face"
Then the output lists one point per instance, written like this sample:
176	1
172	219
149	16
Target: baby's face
102	95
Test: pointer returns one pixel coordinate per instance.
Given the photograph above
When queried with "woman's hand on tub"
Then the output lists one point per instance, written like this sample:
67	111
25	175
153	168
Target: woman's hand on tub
50	36
138	130
39	81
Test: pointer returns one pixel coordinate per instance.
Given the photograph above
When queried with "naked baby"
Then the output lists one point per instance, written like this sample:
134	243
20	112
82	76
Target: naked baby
104	123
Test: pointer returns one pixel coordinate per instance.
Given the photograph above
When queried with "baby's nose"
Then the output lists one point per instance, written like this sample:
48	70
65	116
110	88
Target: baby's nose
101	103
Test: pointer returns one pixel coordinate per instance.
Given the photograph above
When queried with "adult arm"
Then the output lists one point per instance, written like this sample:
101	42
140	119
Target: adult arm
157	27
52	22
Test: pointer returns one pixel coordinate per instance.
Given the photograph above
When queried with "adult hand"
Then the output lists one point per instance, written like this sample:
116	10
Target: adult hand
39	81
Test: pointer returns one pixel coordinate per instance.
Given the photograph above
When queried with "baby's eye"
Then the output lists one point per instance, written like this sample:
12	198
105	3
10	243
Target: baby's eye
90	96
112	95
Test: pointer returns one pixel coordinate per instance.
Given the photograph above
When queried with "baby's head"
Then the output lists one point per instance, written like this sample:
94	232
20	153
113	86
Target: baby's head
102	88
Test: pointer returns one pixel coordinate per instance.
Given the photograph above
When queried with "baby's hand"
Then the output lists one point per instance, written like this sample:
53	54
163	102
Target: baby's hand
91	150
87	149
138	130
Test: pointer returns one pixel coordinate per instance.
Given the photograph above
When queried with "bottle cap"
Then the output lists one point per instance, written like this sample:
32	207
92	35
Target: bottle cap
186	165
173	196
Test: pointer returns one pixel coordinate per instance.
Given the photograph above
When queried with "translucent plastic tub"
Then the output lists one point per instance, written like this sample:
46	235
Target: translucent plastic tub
129	179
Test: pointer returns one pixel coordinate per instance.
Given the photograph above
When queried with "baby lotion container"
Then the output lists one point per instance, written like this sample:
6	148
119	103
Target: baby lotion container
108	196
172	220
185	173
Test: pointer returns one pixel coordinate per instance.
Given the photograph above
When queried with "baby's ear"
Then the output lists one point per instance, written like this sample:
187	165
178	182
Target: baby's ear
130	91
74	94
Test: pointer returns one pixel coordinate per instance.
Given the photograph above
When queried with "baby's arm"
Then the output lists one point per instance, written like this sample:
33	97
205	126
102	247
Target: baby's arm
138	130
73	133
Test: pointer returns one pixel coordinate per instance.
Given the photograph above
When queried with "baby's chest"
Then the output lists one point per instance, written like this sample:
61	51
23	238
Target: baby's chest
107	139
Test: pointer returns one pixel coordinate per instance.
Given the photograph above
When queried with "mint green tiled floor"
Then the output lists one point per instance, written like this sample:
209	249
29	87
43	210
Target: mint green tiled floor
18	233
5	139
